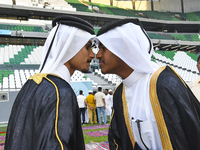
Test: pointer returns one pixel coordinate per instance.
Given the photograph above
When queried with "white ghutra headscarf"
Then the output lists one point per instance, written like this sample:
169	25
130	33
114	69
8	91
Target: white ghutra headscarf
67	42
130	42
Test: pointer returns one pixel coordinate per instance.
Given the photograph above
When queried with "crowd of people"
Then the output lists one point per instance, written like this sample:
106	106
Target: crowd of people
96	107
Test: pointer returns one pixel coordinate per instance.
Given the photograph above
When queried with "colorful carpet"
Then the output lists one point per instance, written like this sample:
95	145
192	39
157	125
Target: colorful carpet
89	146
97	133
97	146
2	142
95	127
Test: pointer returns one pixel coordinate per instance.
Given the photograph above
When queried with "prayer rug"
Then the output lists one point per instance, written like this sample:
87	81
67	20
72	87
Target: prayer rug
95	127
97	133
2	142
104	145
97	146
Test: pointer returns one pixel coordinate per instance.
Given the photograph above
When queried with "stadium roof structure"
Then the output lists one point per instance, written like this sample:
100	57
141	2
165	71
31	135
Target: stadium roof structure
175	45
101	19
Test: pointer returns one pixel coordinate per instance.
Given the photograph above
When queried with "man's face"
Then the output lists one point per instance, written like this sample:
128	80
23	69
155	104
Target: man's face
81	61
106	92
198	65
108	61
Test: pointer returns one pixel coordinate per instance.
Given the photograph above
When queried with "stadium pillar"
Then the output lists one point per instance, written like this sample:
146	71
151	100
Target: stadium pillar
152	9
111	2
133	3
182	6
14	2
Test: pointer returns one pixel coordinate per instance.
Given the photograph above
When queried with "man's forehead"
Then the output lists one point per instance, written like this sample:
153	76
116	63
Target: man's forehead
89	42
100	44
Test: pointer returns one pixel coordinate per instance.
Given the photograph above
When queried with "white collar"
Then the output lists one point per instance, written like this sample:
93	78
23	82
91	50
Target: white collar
63	72
132	78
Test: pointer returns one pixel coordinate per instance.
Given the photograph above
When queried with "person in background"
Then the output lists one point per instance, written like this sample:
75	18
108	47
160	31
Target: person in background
195	85
81	103
153	108
100	105
111	94
45	114
90	102
87	118
108	100
94	92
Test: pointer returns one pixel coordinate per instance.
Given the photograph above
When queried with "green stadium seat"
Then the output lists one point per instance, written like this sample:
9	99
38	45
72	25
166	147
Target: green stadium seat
16	57
12	60
179	37
122	12
5	73
21	27
96	31
195	37
78	5
191	16
193	56
11	72
167	54
157	15
156	36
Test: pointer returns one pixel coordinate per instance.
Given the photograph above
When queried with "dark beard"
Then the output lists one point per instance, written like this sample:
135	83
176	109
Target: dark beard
84	71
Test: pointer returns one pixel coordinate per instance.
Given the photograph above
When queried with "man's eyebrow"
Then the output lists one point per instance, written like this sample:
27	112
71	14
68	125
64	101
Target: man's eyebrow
89	42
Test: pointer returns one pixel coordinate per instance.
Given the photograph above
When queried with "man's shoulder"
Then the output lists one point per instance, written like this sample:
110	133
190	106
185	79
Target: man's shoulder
51	78
51	82
168	81
90	95
81	96
98	93
166	76
101	93
194	82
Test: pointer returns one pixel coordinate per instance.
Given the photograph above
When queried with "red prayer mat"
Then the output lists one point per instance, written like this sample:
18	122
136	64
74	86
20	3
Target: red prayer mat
95	127
97	146
2	142
97	133
90	146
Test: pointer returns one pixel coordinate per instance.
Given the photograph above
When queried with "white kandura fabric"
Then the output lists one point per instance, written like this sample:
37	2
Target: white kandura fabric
129	43
67	43
139	107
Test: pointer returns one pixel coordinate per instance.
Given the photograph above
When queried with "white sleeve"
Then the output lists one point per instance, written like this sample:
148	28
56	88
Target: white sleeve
111	99
103	95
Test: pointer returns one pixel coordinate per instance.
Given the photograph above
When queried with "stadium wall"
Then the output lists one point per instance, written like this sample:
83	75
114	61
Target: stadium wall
161	5
123	4
104	2
175	5
169	5
142	5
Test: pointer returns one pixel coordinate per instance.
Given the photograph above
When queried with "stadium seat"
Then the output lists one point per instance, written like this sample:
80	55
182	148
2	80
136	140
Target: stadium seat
158	15
21	27
78	5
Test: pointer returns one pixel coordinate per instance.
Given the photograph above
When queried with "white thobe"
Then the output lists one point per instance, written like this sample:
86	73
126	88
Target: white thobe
63	72
139	108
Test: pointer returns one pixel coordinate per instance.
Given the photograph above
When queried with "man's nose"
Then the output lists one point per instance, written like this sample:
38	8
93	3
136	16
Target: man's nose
99	54
92	55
